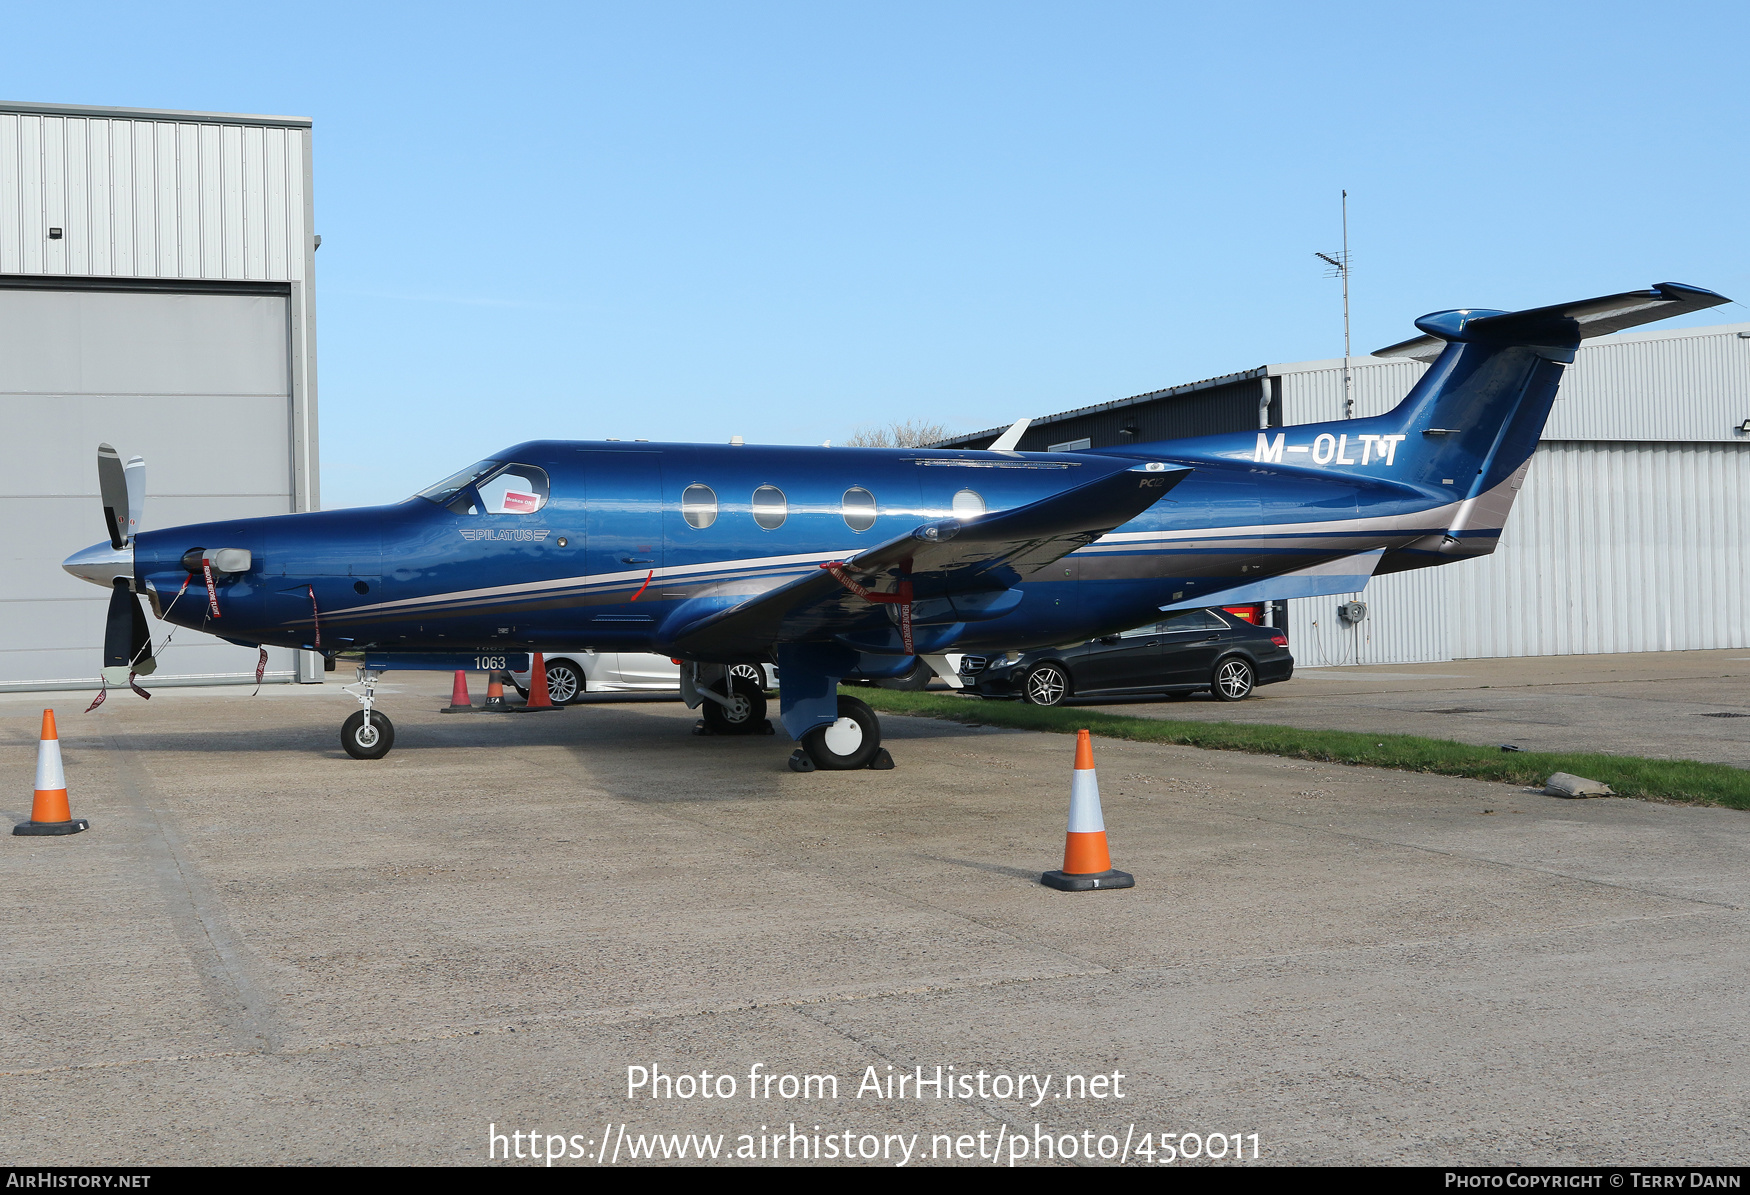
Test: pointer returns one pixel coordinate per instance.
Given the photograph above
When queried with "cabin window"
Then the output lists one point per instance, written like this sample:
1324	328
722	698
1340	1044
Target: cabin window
967	504
770	508
514	490
699	506
859	509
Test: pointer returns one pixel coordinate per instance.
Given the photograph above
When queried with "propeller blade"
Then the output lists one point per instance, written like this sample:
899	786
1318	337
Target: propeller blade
112	484
136	477
118	634
140	649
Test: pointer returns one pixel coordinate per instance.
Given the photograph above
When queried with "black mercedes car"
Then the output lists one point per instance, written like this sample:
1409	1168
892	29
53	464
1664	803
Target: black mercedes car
1185	653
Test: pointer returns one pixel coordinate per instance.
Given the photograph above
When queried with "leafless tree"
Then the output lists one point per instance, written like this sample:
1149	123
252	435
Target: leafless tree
906	433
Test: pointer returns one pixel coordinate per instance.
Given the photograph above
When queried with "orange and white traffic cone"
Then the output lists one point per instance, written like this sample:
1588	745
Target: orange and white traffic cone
539	699
48	811
494	695
1086	862
460	702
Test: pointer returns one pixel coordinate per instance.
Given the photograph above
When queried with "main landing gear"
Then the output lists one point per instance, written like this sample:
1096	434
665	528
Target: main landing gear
736	704
837	733
367	734
854	741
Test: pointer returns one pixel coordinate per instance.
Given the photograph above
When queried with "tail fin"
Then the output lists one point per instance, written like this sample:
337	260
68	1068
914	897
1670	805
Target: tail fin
1477	414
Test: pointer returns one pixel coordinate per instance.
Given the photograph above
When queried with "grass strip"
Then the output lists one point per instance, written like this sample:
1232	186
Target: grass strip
1680	780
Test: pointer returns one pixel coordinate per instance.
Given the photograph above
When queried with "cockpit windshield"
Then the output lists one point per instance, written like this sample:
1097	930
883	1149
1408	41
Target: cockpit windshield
492	487
449	487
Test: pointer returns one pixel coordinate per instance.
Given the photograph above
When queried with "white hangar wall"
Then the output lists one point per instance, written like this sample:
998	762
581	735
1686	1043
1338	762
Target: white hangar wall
156	292
1629	535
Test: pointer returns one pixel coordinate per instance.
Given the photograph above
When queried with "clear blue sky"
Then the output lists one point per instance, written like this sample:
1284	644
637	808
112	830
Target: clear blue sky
691	221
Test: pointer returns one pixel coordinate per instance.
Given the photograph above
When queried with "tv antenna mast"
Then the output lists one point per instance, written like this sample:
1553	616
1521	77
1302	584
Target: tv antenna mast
1339	268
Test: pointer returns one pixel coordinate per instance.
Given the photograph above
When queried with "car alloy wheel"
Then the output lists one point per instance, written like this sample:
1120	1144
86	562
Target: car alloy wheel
564	685
1045	685
1232	681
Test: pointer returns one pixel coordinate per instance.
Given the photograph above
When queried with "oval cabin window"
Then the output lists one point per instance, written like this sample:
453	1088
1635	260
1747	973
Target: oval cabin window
967	503
770	507
859	509
699	506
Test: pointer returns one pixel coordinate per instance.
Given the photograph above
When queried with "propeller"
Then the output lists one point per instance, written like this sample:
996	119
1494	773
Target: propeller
127	640
124	494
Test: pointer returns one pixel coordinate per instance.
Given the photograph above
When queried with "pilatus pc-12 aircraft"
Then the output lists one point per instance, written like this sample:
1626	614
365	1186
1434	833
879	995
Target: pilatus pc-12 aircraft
839	563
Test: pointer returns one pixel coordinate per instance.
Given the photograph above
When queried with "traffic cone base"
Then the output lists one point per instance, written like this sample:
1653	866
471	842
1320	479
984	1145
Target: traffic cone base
40	829
1087	864
49	814
1063	881
460	702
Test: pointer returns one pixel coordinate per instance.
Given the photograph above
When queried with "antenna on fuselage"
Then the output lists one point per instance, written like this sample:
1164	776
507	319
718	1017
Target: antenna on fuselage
1007	441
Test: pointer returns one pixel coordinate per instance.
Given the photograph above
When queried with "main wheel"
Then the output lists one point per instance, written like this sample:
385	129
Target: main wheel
849	743
1233	680
1047	684
367	742
746	710
564	682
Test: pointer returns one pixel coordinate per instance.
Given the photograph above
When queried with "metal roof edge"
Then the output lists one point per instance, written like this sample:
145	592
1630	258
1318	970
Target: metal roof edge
24	108
1152	395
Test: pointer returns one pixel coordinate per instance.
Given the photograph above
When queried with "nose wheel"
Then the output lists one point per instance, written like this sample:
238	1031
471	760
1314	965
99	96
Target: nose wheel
367	734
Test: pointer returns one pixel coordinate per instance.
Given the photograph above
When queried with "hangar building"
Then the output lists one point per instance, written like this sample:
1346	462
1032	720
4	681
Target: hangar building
1632	532
156	292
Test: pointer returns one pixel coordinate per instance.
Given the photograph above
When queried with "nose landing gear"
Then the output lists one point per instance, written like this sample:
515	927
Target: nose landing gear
367	734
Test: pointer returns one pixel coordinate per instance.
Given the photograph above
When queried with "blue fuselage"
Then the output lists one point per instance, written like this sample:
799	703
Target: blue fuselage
624	539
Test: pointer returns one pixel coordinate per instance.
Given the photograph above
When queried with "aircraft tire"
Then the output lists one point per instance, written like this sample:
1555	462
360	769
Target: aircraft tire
1233	679
850	743
749	713
373	743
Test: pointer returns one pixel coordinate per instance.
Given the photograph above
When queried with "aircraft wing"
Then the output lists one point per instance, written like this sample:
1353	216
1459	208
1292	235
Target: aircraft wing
983	556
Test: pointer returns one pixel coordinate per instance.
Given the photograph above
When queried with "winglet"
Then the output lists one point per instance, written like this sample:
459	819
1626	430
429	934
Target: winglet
1007	441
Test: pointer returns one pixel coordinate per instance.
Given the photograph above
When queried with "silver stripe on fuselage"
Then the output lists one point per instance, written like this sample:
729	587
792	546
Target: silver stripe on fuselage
1336	537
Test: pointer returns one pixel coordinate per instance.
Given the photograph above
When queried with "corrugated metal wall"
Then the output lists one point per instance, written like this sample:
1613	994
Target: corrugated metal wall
1691	385
1312	392
152	198
1614	547
1611	547
1629	534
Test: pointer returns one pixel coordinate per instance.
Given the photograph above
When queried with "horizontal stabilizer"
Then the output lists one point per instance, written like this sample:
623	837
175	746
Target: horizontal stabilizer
1348	574
950	556
1564	323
